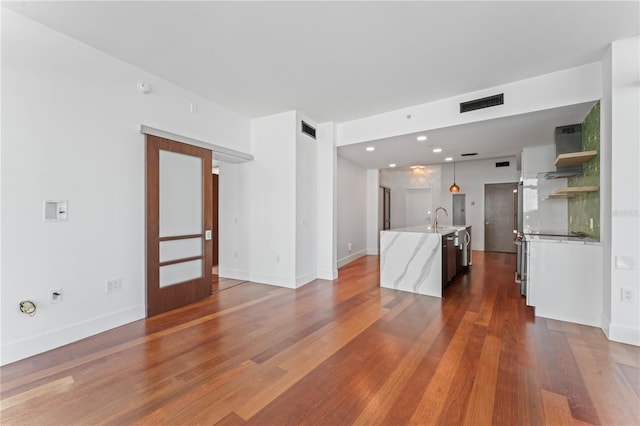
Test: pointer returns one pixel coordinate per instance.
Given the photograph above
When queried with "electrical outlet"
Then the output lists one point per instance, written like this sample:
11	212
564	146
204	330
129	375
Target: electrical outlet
277	258
350	247
591	223
114	285
627	295
55	295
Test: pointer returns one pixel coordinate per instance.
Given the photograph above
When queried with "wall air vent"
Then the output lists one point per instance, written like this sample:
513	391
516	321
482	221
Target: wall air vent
308	130
502	164
468	154
487	102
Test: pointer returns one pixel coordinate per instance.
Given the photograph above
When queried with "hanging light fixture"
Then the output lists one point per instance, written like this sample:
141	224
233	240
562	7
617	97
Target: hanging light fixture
454	187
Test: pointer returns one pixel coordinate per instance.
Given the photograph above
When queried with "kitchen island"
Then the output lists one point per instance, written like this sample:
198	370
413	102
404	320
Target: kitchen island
411	258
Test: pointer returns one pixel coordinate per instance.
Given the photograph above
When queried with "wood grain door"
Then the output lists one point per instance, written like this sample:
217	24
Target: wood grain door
179	220
215	218
498	217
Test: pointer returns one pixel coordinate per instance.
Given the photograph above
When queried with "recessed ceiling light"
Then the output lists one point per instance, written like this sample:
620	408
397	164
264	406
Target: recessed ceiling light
392	165
448	159
370	148
437	149
422	138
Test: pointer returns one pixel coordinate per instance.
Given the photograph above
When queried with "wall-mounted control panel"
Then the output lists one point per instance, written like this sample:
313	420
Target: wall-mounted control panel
56	210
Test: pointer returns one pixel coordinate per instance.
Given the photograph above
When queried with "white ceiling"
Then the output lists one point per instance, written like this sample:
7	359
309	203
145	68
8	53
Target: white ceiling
337	61
490	139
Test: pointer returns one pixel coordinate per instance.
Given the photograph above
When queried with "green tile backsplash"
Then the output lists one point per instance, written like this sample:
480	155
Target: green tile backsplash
586	206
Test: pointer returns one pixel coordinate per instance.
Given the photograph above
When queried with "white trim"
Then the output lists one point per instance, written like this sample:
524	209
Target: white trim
24	348
373	252
305	279
624	334
591	321
327	274
220	153
274	280
234	274
350	258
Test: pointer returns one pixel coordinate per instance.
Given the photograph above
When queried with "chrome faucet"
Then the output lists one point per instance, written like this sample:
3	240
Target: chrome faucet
436	215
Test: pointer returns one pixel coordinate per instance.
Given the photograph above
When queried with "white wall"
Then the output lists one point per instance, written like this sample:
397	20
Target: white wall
373	203
306	204
471	176
352	212
620	133
71	117
270	200
567	87
327	230
401	180
233	229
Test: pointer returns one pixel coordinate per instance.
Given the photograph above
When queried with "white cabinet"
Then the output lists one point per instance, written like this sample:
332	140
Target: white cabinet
565	280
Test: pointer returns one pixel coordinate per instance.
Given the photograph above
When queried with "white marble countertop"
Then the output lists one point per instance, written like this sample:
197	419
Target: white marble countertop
428	229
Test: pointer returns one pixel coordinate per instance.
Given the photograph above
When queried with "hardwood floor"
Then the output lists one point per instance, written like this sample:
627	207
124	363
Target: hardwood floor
334	353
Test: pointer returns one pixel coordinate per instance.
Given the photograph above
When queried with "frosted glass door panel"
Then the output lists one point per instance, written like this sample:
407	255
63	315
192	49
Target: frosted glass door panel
180	194
180	272
180	249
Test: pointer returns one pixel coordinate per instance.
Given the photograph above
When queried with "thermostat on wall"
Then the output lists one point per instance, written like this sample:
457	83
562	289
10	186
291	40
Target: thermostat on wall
55	210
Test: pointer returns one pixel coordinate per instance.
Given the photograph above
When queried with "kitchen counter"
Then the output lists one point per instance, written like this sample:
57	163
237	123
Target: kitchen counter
562	239
411	259
565	280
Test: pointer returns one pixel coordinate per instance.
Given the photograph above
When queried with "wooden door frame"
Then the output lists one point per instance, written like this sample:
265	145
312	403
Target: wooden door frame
163	299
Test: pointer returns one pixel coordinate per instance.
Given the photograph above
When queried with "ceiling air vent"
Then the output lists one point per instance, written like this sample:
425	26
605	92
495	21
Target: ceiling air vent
490	101
468	154
308	130
502	164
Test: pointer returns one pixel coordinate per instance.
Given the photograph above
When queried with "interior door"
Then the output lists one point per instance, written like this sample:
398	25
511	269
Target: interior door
498	217
179	221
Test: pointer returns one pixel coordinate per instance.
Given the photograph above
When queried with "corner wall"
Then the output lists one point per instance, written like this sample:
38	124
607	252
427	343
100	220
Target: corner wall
352	212
620	135
71	117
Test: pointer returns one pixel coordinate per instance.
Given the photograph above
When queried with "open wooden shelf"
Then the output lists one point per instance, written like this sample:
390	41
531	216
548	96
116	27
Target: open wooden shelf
571	158
572	190
556	196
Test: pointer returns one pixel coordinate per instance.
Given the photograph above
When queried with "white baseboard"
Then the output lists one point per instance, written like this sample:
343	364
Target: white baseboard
605	325
306	278
590	321
275	280
373	252
327	274
350	258
624	334
233	274
21	349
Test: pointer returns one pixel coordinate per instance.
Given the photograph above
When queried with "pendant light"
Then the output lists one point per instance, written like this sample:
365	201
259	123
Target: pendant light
454	187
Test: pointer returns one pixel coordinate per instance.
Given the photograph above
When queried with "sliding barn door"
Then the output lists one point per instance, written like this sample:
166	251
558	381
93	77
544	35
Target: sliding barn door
179	244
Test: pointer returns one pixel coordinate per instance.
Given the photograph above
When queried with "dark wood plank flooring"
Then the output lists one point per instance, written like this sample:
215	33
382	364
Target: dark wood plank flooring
334	353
